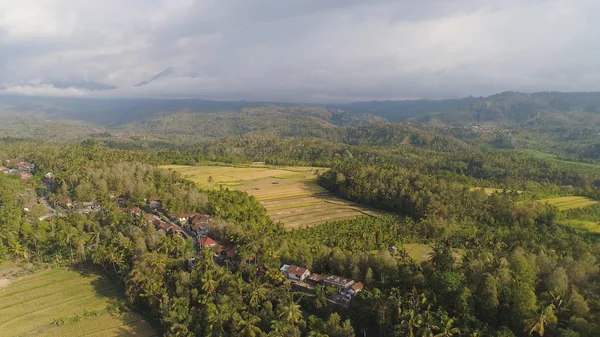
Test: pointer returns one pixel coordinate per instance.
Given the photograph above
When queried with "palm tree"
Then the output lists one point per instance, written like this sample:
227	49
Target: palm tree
209	284
290	312
447	329
249	327
397	299
258	293
544	317
79	239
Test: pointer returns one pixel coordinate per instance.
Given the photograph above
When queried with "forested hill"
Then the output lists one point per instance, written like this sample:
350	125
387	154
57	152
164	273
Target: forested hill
506	107
305	121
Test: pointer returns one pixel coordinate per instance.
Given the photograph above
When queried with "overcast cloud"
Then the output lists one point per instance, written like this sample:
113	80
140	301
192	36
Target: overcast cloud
297	50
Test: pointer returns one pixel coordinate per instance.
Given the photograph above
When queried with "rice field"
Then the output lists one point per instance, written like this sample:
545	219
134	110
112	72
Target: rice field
564	203
590	226
63	302
490	191
291	195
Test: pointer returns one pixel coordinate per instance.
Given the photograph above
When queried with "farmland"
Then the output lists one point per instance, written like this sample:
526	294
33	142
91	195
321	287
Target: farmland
291	195
564	203
62	302
590	226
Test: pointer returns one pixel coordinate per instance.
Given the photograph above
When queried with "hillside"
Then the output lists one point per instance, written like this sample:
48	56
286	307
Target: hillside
279	120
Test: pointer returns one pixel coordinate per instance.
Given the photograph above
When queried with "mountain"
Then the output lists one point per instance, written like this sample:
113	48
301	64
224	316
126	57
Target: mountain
506	107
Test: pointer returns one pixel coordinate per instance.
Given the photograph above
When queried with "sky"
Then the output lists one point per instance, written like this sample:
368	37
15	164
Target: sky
297	50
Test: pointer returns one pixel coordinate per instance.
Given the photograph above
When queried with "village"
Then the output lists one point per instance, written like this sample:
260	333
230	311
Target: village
191	225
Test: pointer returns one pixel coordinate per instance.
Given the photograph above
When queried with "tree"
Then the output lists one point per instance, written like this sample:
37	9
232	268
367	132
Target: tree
247	327
447	329
538	324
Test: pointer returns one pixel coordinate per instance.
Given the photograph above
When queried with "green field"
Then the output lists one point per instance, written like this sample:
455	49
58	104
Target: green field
564	203
63	302
581	224
586	167
291	195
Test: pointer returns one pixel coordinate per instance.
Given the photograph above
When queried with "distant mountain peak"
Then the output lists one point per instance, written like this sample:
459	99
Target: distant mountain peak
162	74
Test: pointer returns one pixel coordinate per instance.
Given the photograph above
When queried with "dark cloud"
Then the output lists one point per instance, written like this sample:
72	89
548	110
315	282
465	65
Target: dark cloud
310	50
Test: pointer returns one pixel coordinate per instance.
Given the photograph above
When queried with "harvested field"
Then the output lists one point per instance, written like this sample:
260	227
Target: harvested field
62	302
490	191
564	203
291	195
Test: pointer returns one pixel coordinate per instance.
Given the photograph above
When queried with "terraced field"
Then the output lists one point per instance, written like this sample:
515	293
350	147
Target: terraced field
290	194
582	224
564	203
62	302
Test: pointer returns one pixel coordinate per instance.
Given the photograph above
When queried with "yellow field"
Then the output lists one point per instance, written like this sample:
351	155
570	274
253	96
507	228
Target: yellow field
489	191
564	203
290	194
62	302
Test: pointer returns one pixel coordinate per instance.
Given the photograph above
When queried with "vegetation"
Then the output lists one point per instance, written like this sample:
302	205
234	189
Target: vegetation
445	258
61	302
289	194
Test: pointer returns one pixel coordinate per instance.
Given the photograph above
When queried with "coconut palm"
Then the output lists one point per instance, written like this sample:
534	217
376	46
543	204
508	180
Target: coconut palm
447	329
538	324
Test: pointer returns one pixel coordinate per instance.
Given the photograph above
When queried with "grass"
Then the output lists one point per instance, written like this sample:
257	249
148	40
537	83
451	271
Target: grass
63	302
564	203
291	195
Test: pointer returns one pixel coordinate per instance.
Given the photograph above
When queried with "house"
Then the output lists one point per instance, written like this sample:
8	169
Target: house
207	242
338	282
149	217
200	230
25	176
199	219
178	231
64	201
185	218
131	210
4	170
356	288
315	279
298	273
285	269
24	166
229	253
154	202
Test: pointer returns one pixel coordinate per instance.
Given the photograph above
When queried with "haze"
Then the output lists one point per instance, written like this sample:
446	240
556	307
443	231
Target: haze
309	51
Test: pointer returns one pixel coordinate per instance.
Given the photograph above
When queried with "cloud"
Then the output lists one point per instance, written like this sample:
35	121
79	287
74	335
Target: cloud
287	50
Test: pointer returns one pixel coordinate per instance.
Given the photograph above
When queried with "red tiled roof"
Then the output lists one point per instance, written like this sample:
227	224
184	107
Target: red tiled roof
207	242
130	209
298	271
185	215
316	277
201	218
357	286
231	252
